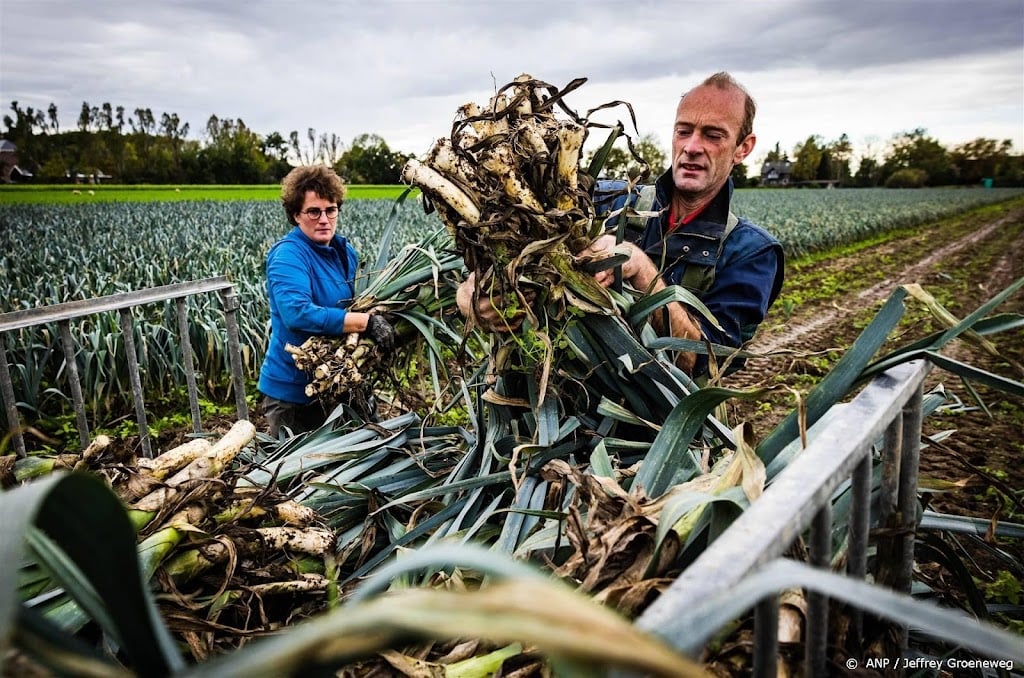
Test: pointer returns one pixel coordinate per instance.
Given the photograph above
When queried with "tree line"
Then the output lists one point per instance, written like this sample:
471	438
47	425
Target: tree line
911	159
137	147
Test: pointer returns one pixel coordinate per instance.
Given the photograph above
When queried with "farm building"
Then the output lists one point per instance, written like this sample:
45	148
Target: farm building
776	173
97	177
10	172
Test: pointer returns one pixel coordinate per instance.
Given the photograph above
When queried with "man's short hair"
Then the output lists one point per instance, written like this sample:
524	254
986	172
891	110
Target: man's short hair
722	80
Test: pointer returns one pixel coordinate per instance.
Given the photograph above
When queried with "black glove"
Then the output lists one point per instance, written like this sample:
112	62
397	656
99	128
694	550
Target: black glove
381	331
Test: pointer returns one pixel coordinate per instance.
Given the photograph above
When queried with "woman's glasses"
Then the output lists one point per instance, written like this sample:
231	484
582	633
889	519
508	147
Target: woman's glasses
315	212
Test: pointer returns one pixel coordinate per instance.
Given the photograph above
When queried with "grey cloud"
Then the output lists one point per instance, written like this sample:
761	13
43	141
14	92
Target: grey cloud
348	65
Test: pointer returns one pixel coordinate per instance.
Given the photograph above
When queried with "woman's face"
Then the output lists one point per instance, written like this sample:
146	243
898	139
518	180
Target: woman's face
319	228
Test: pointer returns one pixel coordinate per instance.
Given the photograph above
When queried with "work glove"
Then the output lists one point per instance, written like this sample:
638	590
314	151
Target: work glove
381	331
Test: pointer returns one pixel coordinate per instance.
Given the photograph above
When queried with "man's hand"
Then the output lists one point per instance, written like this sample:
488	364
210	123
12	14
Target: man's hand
639	270
381	331
488	313
643	275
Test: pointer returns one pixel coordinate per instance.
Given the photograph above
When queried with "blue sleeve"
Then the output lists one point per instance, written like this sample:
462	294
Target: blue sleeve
746	284
610	195
290	288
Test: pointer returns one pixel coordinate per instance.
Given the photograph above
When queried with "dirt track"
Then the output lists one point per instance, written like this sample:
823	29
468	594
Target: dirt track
794	333
963	265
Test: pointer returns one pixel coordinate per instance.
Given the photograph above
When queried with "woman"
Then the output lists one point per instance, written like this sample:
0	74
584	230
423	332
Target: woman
310	277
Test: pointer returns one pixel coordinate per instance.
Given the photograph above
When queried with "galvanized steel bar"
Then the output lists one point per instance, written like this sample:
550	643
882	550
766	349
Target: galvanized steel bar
794	497
891	458
908	502
766	638
188	364
14	320
122	303
817	603
128	332
10	404
857	553
230	303
71	368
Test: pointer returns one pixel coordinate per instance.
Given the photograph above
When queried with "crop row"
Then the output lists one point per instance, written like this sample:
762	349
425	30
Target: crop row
58	253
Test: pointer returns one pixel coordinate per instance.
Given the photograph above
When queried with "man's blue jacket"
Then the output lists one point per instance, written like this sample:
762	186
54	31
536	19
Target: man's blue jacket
749	269
309	286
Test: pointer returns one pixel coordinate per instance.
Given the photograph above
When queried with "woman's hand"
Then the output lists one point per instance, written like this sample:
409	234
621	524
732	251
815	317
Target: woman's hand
381	331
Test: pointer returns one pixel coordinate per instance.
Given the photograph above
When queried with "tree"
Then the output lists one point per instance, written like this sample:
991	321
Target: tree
52	114
916	150
85	117
840	151
303	155
824	171
807	157
172	129
233	153
275	146
106	116
276	150
775	155
615	163
322	149
981	158
21	131
621	164
868	173
647	148
144	122
907	178
368	160
739	176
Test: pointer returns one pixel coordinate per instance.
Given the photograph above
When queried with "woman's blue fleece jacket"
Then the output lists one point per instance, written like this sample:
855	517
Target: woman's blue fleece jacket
309	287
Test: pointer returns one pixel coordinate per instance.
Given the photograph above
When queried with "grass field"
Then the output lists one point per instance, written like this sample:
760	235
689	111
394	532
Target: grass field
82	194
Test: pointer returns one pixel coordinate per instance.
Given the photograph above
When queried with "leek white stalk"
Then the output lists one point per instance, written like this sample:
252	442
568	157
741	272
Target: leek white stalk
499	161
570	145
312	540
208	465
437	185
172	460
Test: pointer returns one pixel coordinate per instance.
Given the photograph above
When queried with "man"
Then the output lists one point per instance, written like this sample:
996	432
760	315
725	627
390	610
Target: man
733	266
695	236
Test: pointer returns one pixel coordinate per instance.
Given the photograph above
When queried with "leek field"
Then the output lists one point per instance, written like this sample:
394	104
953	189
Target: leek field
467	475
52	252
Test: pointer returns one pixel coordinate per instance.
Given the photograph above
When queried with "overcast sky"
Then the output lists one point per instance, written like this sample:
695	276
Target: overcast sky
870	69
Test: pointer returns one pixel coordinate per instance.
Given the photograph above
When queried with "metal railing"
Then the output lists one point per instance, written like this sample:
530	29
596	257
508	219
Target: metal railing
798	501
745	567
63	314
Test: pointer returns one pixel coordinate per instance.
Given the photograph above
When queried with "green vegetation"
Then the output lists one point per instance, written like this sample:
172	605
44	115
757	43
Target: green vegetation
808	221
808	281
51	194
913	159
409	484
142	147
53	253
403	504
138	148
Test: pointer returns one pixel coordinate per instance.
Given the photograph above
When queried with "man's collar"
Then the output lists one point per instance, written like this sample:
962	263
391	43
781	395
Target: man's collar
716	211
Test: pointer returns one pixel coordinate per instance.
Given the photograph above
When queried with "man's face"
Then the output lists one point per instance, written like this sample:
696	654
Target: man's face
704	141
